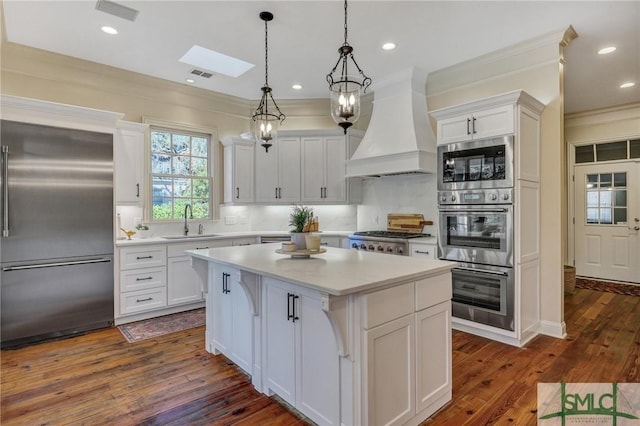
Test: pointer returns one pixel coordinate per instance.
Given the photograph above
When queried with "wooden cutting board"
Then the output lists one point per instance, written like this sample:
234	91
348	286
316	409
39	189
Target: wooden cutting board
402	222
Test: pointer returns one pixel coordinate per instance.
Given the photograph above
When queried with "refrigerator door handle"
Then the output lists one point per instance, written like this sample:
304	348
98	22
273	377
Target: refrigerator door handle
5	191
55	264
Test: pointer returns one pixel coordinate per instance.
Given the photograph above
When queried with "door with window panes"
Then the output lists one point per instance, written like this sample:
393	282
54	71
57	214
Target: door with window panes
607	221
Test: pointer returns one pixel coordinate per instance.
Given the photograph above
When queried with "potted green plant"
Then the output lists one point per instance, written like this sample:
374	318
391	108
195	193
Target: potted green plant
300	218
142	230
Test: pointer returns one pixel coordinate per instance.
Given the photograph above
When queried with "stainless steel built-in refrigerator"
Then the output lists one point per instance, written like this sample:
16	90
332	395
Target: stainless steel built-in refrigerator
56	249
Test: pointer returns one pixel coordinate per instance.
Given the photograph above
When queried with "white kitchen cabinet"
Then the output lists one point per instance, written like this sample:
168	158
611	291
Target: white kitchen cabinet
410	324
433	356
277	172
301	356
479	124
142	279
183	284
391	384
231	319
129	162
331	241
514	113
238	170
324	166
323	169
246	241
427	250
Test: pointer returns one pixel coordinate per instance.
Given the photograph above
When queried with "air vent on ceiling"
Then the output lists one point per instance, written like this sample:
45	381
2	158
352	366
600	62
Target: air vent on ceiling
202	74
115	9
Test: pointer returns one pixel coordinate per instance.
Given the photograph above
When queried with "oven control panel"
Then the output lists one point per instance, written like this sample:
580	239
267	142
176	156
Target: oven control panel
476	196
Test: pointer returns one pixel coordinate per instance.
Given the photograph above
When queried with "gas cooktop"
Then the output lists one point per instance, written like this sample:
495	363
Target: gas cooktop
390	234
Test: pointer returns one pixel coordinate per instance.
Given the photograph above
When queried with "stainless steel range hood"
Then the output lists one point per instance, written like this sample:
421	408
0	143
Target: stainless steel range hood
399	139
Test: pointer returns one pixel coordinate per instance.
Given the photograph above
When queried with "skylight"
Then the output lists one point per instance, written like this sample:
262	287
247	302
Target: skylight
220	63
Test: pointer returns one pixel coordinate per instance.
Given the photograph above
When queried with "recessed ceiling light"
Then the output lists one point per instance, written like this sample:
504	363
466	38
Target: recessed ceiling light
296	86
606	50
627	85
190	81
109	30
389	46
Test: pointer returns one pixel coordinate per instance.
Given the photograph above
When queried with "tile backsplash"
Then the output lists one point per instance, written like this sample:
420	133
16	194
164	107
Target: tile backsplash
381	196
415	193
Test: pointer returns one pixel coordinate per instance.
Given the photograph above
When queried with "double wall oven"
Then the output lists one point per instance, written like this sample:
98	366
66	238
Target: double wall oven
475	201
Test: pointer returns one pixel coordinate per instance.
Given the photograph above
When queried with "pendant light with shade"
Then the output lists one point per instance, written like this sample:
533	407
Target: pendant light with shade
267	118
345	92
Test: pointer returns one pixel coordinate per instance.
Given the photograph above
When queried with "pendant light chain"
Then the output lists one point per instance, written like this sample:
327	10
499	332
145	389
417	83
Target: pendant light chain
266	55
345	23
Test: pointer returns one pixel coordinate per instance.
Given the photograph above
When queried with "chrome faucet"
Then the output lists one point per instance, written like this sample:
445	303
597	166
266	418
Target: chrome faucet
186	225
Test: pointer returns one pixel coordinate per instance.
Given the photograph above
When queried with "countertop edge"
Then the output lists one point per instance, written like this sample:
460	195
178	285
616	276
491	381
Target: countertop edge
444	266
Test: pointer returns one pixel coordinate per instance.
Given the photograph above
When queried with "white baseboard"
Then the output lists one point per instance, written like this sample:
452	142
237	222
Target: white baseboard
553	329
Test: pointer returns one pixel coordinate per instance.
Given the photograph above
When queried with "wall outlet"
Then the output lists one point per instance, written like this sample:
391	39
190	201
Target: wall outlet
229	220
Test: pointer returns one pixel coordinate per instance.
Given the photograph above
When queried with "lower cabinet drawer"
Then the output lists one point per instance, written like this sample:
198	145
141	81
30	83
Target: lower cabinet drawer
140	279
143	300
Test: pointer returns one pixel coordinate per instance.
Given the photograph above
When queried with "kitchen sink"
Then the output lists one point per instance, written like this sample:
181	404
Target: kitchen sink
194	236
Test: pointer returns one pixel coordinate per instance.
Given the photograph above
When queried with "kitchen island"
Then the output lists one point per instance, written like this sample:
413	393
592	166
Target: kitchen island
346	337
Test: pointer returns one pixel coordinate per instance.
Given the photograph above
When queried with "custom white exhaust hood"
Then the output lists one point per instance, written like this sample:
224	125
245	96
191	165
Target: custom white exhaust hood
399	138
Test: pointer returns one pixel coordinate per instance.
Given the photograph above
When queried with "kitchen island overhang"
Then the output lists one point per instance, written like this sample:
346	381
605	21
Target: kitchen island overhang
345	337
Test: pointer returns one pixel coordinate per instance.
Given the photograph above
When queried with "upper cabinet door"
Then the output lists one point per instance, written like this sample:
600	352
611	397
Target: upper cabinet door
313	169
481	124
238	170
493	122
129	162
335	168
323	169
266	175
288	151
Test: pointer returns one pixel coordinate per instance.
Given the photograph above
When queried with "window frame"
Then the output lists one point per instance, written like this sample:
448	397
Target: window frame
213	159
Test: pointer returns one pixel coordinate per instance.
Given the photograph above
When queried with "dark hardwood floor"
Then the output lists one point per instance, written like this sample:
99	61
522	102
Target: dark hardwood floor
100	379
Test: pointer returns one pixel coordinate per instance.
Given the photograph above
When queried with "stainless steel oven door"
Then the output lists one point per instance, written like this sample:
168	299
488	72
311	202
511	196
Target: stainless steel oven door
481	164
484	295
477	234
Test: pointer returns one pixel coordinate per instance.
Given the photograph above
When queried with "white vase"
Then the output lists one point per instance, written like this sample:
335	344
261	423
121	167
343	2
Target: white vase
298	238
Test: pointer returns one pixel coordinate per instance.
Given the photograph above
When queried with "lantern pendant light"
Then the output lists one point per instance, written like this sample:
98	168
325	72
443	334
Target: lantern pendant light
267	118
345	92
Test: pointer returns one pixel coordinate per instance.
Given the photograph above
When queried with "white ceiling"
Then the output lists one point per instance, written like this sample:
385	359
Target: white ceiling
305	35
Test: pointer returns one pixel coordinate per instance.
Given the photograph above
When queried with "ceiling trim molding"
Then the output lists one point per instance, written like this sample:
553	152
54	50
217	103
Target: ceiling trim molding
530	54
604	116
16	108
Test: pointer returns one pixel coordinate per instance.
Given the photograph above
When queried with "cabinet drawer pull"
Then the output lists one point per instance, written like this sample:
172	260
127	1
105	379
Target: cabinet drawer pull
144	300
144	279
289	309
295	315
237	192
225	283
143	257
473	127
421	252
137	190
468	122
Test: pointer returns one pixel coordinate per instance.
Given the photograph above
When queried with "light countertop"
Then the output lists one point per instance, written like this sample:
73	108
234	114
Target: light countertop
219	236
337	271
